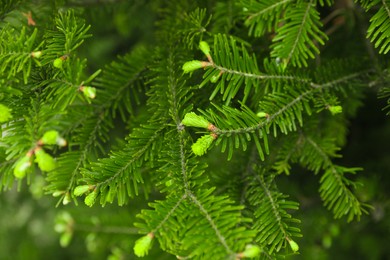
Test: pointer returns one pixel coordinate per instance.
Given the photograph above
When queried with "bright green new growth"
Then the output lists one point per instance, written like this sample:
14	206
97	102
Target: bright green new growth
21	167
190	66
5	113
294	246
80	190
251	251
45	161
89	92
262	114
201	145
58	63
192	119
36	54
143	245
204	47
334	110
52	137
91	198
67	199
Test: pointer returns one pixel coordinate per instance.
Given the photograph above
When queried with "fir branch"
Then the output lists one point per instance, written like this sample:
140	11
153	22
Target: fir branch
257	76
273	224
69	34
196	23
335	188
337	196
296	39
114	96
272	117
210	212
221	238
17	52
271	8
230	67
119	174
170	213
262	16
378	31
240	63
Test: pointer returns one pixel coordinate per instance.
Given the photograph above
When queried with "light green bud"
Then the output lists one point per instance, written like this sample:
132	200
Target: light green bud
80	190
193	65
262	114
204	47
91	198
192	119
335	109
202	144
50	137
251	251
45	161
36	54
143	245
58	63
67	199
294	246
89	92
58	193
21	167
53	137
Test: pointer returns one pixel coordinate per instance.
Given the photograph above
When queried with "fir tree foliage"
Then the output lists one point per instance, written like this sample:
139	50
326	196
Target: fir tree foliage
378	31
200	94
297	40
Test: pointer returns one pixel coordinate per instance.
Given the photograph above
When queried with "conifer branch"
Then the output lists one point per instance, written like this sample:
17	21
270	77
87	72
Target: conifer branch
325	157
183	163
257	76
273	224
269	8
173	84
263	16
274	206
299	34
170	212
117	175
297	39
334	83
221	238
378	30
335	190
197	205
315	88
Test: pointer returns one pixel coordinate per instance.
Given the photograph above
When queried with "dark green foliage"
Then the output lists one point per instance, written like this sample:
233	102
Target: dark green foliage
267	102
297	39
378	32
263	16
271	209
